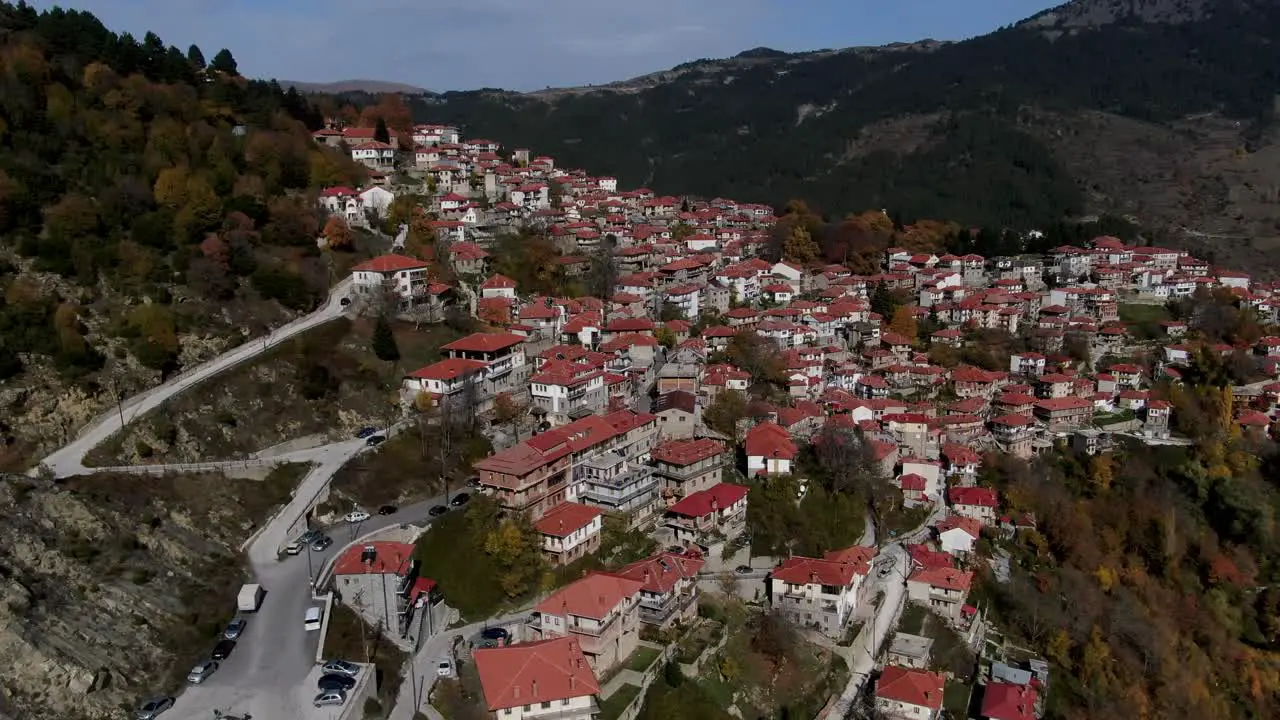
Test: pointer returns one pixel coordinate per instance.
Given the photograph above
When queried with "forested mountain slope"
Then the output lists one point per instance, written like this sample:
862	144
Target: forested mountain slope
153	211
1018	127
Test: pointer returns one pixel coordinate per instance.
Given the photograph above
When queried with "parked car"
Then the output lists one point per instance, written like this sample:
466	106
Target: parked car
330	697
340	667
223	649
437	510
202	671
490	637
294	547
387	510
444	668
356	516
343	302
321	543
375	440
151	709
336	681
365	432
306	537
460	499
235	629
743	569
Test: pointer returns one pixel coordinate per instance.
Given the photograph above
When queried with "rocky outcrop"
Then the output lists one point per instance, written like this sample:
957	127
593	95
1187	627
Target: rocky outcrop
110	585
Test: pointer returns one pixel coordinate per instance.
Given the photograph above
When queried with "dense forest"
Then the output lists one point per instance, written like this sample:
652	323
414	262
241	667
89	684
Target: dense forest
770	127
135	176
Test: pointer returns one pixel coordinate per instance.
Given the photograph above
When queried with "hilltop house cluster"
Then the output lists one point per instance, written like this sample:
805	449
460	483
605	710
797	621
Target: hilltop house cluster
615	397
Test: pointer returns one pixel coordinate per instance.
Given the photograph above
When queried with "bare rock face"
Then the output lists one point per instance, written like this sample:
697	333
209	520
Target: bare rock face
107	590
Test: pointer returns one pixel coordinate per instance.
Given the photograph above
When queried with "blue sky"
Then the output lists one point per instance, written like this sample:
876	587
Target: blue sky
529	44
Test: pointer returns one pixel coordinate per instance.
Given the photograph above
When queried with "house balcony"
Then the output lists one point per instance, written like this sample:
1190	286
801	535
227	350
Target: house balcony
660	613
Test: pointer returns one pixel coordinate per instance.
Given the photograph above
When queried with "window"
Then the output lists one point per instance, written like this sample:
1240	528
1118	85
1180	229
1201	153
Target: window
546	706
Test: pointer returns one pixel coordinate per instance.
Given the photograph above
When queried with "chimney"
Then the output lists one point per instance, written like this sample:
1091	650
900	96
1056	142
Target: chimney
515	691
715	504
813	577
573	682
535	687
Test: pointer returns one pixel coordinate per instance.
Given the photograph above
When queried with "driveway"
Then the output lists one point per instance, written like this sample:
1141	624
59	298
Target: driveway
276	654
69	459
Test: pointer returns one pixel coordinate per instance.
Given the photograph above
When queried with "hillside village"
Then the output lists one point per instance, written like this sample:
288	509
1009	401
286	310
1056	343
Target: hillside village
709	370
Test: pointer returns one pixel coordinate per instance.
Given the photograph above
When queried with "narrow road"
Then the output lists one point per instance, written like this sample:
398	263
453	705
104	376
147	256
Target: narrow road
69	459
420	676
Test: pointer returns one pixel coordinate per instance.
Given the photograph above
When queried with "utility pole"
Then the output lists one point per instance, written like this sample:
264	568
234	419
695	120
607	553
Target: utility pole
115	390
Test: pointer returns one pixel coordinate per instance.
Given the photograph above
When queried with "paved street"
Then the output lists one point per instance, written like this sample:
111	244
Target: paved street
69	459
276	653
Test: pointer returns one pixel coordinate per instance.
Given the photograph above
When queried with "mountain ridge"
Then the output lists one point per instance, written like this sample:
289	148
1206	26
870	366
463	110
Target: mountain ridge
352	86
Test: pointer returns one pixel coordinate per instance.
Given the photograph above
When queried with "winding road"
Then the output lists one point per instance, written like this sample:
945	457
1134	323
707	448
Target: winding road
69	459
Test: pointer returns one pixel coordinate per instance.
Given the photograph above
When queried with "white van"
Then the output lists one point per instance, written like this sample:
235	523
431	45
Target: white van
313	619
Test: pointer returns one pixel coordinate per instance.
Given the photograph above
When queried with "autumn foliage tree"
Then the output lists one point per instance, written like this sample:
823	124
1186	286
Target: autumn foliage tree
337	234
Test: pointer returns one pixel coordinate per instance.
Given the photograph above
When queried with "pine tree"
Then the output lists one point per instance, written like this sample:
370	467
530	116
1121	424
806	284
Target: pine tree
384	341
381	133
195	57
224	62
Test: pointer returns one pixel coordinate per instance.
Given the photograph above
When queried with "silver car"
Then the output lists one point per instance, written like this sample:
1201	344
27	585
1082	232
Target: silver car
330	697
202	671
235	629
340	667
151	709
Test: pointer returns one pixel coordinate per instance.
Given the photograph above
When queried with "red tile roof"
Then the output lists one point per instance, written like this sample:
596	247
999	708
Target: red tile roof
915	687
386	557
389	264
485	342
704	502
687	452
566	518
534	672
594	596
769	440
952	522
448	369
662	572
984	497
1006	701
943	577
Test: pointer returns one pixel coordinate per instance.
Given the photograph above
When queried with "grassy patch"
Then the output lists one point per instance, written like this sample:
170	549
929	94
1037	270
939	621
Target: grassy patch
612	708
350	638
484	561
461	697
692	645
901	520
642	658
324	381
955	698
1144	320
409	467
949	651
1115	418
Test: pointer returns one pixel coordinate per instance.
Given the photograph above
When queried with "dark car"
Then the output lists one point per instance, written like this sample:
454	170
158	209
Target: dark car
223	649
437	510
365	432
460	499
491	636
321	543
375	440
335	681
151	709
743	570
387	510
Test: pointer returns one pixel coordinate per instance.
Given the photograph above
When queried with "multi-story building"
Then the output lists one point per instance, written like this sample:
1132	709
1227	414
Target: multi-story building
721	509
1064	413
687	466
567	391
1014	434
941	589
609	482
539	473
396	276
601	611
375	155
477	369
821	593
380	581
978	503
908	694
546	680
669	587
569	531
